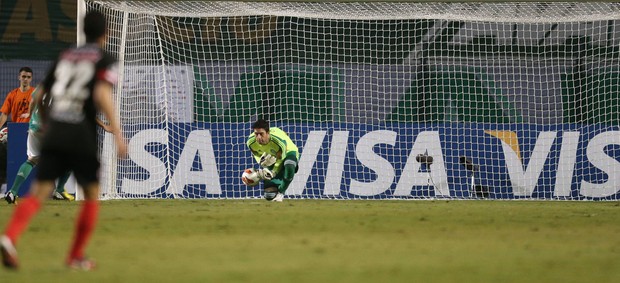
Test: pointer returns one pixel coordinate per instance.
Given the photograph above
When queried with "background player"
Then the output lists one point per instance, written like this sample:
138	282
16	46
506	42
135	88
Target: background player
274	150
17	101
80	82
33	145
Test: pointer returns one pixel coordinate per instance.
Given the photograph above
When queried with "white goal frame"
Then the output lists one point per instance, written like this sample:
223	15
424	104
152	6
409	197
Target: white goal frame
541	149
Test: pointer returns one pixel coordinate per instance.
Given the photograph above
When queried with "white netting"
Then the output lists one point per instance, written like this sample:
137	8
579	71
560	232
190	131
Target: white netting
539	12
512	100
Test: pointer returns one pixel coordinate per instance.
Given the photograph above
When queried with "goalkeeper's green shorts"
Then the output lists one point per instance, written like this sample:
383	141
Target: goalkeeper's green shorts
278	180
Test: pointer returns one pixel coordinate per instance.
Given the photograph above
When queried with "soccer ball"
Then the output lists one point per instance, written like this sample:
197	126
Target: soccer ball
4	134
250	177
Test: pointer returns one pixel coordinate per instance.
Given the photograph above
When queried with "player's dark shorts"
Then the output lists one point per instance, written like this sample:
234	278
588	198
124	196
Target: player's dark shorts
54	164
78	154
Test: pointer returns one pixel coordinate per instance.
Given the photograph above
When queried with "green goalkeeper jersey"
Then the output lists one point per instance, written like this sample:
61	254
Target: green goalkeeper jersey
279	145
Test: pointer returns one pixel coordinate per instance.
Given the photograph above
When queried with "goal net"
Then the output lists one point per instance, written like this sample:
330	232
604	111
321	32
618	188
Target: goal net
384	100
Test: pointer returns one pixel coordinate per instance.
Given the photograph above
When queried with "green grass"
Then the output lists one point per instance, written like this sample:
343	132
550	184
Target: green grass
329	241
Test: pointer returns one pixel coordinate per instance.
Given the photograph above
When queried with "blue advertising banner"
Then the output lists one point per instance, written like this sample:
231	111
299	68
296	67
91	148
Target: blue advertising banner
341	160
16	155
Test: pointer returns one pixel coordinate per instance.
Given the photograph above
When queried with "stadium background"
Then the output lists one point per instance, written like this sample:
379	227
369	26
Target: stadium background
33	31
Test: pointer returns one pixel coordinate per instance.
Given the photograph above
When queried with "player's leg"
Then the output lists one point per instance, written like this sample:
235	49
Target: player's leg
25	210
86	175
290	168
33	145
8	253
51	167
61	193
85	226
22	174
276	187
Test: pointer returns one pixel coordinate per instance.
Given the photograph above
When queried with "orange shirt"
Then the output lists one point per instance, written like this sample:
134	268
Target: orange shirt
16	103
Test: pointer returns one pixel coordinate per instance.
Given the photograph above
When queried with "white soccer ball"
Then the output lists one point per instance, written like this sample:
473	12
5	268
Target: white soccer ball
4	135
250	177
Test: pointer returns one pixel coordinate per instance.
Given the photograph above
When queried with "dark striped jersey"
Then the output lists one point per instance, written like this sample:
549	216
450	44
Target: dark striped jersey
70	83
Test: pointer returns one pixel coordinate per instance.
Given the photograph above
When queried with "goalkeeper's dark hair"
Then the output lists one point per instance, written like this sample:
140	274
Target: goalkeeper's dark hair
261	124
95	26
25	69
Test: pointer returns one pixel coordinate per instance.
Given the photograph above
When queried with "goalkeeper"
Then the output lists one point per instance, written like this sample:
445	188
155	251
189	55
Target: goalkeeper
274	150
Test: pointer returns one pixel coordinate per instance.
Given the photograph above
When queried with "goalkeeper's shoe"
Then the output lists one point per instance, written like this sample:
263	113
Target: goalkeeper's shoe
279	197
63	196
83	264
9	253
10	198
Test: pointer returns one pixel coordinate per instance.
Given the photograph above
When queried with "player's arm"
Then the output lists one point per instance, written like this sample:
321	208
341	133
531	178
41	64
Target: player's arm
103	125
282	148
102	95
6	109
3	118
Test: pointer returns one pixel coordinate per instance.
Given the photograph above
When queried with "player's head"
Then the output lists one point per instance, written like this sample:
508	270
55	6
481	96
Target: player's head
261	131
95	26
25	76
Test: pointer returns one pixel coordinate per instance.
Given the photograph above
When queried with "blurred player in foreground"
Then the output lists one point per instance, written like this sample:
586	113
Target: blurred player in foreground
274	150
80	83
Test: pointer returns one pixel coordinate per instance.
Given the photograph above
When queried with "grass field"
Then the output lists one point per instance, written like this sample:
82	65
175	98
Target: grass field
329	241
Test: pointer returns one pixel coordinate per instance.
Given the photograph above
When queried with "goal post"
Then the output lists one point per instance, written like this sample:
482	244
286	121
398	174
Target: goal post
386	100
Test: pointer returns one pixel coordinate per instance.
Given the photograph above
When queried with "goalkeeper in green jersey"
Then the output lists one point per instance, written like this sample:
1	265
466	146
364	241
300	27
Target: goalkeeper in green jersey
274	150
33	151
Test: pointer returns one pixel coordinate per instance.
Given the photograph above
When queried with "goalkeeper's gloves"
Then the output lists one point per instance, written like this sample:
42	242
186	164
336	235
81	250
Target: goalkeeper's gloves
264	174
267	160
